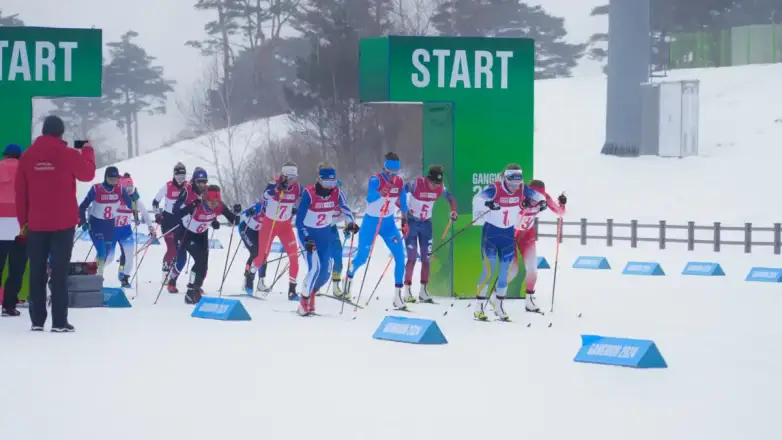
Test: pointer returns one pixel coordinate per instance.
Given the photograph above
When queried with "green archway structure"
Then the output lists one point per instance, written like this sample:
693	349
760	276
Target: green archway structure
44	62
478	110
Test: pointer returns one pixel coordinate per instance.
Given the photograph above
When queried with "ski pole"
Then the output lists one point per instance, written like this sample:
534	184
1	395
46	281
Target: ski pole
138	266
371	248
391	258
173	262
331	278
225	266
149	242
447	228
455	234
350	260
556	261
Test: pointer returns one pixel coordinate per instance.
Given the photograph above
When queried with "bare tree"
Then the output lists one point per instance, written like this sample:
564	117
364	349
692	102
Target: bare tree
414	17
225	149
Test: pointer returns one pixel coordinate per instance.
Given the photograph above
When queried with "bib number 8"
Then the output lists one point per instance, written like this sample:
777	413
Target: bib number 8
107	212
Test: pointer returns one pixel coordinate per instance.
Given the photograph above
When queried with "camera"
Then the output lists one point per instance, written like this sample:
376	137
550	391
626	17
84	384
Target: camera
79	144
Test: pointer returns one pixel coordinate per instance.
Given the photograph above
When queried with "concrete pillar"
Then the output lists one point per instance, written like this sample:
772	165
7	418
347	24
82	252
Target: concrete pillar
629	54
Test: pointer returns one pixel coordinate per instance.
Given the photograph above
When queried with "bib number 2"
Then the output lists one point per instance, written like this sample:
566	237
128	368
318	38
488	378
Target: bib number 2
321	220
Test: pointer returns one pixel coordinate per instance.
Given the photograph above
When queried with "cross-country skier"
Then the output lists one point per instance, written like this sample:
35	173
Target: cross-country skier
164	216
525	238
316	214
503	198
192	191
280	198
102	202
125	220
422	193
249	224
197	213
383	191
336	252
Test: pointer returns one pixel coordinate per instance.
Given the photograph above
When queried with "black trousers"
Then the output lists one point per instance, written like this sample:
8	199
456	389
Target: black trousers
197	245
40	246
16	252
250	240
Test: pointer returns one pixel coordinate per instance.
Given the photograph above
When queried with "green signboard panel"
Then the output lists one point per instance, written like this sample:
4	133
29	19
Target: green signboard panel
478	96
43	62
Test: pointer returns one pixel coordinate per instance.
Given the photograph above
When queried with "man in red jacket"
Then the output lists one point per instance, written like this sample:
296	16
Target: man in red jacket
46	205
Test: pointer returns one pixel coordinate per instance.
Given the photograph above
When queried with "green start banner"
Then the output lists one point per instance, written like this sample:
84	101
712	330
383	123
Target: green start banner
478	98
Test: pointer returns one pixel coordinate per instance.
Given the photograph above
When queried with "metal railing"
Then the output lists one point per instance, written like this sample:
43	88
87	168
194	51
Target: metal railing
663	233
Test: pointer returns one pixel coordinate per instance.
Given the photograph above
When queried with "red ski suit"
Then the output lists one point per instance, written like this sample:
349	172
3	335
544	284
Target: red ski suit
276	222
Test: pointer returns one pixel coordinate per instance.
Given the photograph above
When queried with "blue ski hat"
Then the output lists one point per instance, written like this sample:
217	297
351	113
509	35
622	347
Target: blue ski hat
200	174
12	150
328	177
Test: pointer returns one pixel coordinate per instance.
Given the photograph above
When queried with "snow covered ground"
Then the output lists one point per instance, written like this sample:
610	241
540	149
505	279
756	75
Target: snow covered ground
153	372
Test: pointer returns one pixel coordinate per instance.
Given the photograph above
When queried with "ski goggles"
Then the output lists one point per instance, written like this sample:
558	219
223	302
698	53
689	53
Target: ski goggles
513	176
328	177
392	167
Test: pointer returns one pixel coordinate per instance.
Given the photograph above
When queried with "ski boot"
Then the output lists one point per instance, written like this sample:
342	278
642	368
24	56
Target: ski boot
249	280
346	288
306	305
423	295
193	295
407	295
262	286
124	281
10	312
399	303
292	296
171	286
499	309
530	303
480	309
337	291
166	271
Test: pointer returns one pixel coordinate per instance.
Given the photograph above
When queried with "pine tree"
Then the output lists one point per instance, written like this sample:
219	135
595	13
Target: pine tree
133	84
82	116
554	56
10	20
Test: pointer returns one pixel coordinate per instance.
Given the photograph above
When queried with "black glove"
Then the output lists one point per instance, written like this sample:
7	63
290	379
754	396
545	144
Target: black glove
197	202
542	205
491	204
237	220
294	210
282	184
215	224
526	203
309	244
237	208
562	199
351	228
159	219
251	211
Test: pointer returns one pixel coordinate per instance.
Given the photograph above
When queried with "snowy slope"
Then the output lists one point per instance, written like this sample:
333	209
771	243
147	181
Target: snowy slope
732	182
150	171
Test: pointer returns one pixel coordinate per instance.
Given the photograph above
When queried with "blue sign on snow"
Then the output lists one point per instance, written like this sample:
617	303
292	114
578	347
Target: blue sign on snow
410	330
277	248
114	297
215	244
765	275
591	263
635	353
643	268
703	269
221	309
543	264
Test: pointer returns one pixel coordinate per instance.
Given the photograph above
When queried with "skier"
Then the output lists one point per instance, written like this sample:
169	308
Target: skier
197	213
124	235
316	214
503	198
190	192
249	224
281	196
169	224
102	201
383	191
422	193
525	238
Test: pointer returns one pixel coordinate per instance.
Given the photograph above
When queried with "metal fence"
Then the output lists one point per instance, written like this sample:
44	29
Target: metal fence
716	235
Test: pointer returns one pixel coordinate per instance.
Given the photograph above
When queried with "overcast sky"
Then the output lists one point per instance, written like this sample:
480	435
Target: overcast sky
165	25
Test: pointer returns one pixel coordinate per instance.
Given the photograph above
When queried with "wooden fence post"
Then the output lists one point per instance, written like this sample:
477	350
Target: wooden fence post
690	236
662	234
717	236
583	231
610	232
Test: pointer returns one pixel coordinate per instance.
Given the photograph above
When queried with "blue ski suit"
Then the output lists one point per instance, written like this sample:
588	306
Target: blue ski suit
382	194
102	202
314	219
